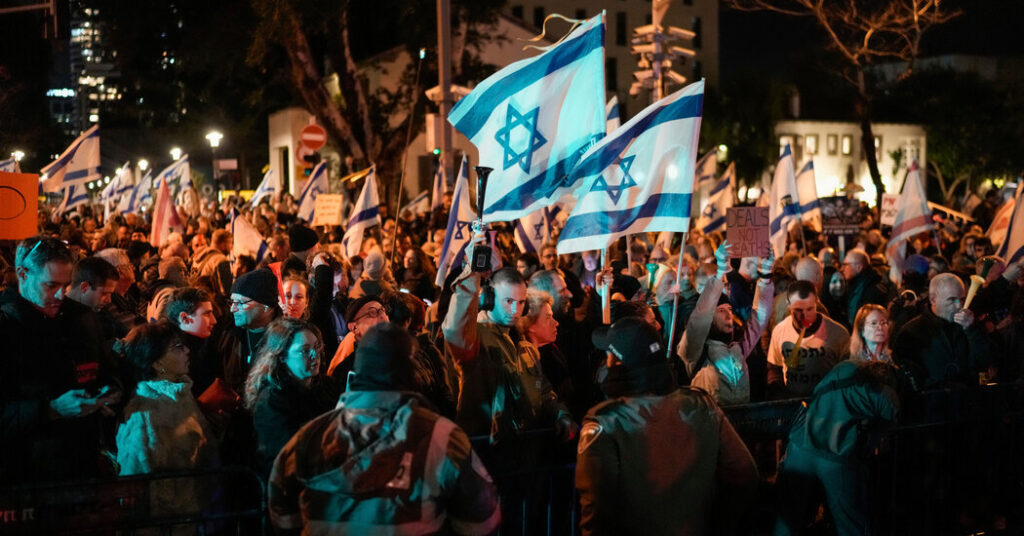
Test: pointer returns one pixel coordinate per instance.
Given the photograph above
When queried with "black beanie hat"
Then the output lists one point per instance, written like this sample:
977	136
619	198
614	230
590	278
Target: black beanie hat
724	299
301	238
259	285
383	360
355	305
643	366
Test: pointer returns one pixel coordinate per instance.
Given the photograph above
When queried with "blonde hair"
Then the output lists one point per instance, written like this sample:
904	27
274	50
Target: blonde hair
535	300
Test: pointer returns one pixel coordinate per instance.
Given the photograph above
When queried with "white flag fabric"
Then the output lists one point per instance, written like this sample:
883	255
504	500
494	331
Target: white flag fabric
247	240
74	195
118	185
365	214
165	217
176	175
1012	248
784	204
139	195
10	166
316	185
1001	222
712	218
807	189
437	192
913	216
706	168
459	231
639	178
533	231
612	120
420	204
532	121
78	164
269	186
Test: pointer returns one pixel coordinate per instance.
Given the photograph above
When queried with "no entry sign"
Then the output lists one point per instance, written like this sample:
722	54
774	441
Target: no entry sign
313	136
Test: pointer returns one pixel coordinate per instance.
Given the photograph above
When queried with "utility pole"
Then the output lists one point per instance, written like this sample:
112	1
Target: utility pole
652	43
444	59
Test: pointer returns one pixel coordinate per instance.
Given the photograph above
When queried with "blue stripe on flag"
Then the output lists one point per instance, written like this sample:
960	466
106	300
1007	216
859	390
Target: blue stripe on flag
64	160
543	184
810	206
559	57
715	224
601	223
525	239
81	173
809	166
719	187
364	215
684	108
788	210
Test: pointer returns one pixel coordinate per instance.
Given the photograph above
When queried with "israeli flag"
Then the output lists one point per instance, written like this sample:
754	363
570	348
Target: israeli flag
712	218
437	192
706	168
808	189
420	204
532	120
268	187
139	195
611	114
459	231
10	166
533	231
316	185
78	164
74	195
1012	248
784	203
178	176
640	178
365	214
121	184
247	240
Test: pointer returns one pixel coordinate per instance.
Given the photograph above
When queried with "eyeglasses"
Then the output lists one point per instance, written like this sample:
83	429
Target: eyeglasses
878	324
242	304
376	312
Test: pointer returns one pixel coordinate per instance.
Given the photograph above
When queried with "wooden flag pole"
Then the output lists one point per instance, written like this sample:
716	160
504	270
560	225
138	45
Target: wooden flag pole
675	298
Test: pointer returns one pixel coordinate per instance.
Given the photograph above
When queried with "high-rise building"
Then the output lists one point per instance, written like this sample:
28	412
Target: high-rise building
94	76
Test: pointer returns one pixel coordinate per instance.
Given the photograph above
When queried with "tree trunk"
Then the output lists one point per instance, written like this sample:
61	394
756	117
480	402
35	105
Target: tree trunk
867	136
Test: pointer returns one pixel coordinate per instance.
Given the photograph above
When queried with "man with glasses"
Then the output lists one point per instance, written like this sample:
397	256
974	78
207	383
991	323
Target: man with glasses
362	314
254	305
863	285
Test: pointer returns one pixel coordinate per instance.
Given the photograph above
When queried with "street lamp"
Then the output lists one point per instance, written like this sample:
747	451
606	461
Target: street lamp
18	155
176	153
143	164
214	138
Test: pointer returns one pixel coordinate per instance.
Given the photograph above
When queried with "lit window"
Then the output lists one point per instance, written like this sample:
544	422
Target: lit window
94	118
878	143
811	144
832	144
847	144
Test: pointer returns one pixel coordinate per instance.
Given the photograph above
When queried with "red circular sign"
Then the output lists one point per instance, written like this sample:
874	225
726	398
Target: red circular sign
313	136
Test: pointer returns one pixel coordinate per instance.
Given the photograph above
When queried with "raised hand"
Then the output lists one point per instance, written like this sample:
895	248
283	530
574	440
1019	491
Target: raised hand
722	257
767	263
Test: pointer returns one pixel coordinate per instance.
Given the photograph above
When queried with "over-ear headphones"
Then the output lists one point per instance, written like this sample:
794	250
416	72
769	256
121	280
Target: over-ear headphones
487	299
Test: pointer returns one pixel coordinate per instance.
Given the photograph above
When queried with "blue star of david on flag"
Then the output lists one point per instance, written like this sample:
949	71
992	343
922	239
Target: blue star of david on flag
537	231
615	192
527	125
459	227
710	211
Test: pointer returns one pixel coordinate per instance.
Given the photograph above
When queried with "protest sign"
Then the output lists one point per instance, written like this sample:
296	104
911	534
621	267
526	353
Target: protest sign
889	209
840	215
19	202
327	209
747	230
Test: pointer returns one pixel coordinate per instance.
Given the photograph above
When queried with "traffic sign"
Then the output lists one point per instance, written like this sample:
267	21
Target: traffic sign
301	152
313	136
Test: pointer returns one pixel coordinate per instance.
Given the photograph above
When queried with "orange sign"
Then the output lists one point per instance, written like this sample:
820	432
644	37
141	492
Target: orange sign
19	203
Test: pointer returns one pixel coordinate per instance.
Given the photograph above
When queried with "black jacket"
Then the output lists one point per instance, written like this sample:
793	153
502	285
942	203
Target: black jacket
948	353
866	287
280	410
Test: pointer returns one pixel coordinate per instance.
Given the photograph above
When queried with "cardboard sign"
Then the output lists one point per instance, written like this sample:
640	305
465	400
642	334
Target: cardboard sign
327	210
840	215
887	215
19	204
746	228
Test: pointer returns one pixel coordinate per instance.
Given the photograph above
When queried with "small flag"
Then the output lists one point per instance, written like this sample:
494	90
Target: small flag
913	216
140	194
165	217
420	204
268	187
78	164
1012	248
532	121
247	240
121	184
712	218
640	177
365	214
784	203
459	231
611	114
10	166
706	168
178	176
533	231
316	185
74	195
1001	222
808	191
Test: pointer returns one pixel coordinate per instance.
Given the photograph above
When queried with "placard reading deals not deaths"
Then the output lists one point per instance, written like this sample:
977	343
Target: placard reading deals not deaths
746	228
327	210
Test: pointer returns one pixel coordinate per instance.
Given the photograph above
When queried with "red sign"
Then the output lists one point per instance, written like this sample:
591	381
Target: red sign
313	136
301	152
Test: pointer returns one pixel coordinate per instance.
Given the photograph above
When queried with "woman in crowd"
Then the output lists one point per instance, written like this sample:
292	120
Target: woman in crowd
163	429
284	390
296	298
418	274
870	338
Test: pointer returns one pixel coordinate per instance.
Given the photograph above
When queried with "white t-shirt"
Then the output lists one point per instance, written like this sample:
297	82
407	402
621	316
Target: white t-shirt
819	352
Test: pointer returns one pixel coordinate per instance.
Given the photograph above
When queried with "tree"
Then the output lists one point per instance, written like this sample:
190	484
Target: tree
368	124
862	33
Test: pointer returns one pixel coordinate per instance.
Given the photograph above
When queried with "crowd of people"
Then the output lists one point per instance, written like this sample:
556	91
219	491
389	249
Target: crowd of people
353	385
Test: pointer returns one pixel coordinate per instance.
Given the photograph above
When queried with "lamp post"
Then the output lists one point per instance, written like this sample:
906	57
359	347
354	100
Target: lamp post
176	153
18	155
214	138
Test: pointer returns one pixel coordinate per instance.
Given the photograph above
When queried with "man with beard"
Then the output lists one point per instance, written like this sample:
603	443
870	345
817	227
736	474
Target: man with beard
716	359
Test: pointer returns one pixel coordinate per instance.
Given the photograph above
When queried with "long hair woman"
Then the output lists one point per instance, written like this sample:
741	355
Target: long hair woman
870	338
285	389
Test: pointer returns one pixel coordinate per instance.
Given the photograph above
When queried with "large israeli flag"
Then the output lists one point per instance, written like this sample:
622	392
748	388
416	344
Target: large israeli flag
784	204
639	178
712	218
316	185
365	214
178	176
140	195
459	231
532	120
10	166
808	190
78	164
269	186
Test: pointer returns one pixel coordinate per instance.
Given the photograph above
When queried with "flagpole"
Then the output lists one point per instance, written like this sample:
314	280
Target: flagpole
405	155
675	297
606	299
